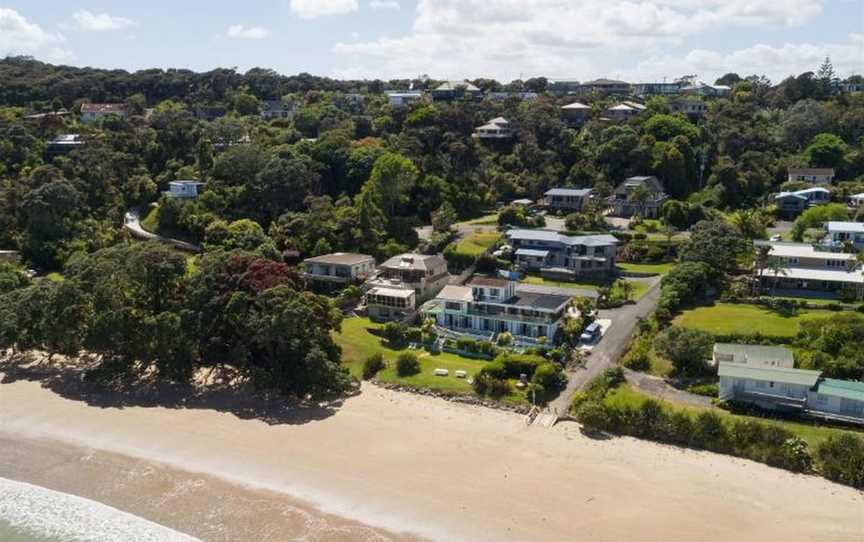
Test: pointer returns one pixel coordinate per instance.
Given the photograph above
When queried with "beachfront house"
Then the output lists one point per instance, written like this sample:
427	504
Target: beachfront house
791	204
642	195
801	269
563	256
840	233
184	189
487	306
568	200
94	112
497	128
402	282
576	114
338	268
812	175
764	376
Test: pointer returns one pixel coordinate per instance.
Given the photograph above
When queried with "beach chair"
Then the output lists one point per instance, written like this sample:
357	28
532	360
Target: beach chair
441	372
460	374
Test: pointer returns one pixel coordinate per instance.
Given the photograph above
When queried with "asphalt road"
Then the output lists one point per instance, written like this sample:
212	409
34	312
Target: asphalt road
132	222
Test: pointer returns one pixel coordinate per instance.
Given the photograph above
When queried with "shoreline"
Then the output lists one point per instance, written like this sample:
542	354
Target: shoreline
411	464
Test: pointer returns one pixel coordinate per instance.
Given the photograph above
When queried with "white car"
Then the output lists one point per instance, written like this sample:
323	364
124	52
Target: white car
777	237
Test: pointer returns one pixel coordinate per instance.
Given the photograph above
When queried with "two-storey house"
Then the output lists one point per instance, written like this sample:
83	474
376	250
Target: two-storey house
568	200
491	305
561	255
800	266
576	114
456	90
642	196
812	175
497	128
791	204
339	268
402	283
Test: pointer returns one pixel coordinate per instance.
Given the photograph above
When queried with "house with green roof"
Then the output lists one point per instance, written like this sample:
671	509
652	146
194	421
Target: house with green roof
838	398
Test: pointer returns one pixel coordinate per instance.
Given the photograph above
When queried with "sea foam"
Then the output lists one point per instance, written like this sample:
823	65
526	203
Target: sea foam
60	516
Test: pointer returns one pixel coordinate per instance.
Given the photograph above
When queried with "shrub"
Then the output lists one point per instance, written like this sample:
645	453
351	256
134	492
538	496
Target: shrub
593	415
710	433
708	390
505	338
407	364
466	344
396	333
638	357
548	375
687	349
372	365
841	458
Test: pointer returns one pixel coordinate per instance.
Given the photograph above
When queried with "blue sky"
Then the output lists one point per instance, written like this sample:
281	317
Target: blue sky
504	39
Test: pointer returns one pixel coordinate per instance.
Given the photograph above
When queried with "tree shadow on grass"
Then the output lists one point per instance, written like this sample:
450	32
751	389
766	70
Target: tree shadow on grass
68	381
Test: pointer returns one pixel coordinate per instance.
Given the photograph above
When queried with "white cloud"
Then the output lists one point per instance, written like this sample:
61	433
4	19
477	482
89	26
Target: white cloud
87	21
239	31
310	9
556	38
384	4
18	35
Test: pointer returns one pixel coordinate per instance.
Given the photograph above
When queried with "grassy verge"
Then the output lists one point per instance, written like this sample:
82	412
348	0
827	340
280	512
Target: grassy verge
54	276
490	219
653	268
477	243
729	318
358	342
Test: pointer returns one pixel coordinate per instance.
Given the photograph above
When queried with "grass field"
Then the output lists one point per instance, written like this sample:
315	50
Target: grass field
490	219
728	318
478	242
813	434
358	343
654	268
639	288
151	221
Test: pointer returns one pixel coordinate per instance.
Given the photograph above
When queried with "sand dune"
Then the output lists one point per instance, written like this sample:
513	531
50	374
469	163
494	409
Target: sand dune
452	472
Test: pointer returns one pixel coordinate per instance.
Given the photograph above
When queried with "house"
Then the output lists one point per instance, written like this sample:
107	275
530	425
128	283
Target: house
856	200
627	202
277	109
94	112
606	86
398	98
644	90
706	90
764	376
753	354
339	267
63	144
456	90
694	108
490	305
497	128
791	204
623	111
576	114
422	276
815	269
183	189
811	175
569	200
838	233
565	256
561	87
502	96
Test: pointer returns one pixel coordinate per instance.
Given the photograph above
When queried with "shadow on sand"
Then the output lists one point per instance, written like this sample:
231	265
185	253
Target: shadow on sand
67	380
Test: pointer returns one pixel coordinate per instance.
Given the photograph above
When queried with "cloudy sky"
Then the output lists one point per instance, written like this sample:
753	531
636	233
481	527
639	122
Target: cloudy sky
503	39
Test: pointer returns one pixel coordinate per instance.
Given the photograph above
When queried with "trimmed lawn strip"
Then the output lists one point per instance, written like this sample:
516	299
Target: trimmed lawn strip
812	434
655	268
730	318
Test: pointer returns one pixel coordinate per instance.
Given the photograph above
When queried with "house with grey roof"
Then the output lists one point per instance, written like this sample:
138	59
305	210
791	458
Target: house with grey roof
764	376
791	204
840	233
338	268
497	128
606	86
813	175
421	275
568	200
816	270
623	111
626	201
691	106
486	306
456	90
563	256
183	189
277	109
576	114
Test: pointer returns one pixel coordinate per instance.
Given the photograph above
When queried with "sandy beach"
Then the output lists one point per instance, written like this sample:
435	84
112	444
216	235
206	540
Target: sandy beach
395	466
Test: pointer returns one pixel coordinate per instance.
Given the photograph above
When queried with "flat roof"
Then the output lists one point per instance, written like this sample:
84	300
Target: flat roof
848	389
811	171
412	261
804	250
538	300
599	239
831	275
581	192
837	225
802	377
392	292
456	293
340	258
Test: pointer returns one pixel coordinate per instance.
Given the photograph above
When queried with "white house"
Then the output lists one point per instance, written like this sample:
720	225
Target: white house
339	267
553	253
791	204
422	275
277	109
856	200
497	128
838	233
813	175
800	266
183	189
569	200
403	98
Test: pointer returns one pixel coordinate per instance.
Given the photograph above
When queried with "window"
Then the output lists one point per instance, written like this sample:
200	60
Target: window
493	292
453	306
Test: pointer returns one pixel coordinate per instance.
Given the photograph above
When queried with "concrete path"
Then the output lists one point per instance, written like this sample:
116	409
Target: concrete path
132	222
657	387
611	346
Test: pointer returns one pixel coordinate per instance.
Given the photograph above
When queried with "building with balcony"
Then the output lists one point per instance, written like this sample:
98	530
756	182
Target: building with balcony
399	98
456	90
791	204
422	275
813	175
564	256
840	233
623	111
497	128
339	268
607	87
803	269
277	109
64	143
568	200
576	114
641	196
487	306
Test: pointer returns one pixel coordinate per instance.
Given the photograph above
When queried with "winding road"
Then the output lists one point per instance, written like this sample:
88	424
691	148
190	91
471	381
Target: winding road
132	222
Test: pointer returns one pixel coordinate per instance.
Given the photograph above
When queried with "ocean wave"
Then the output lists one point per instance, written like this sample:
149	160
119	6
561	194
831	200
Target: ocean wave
52	514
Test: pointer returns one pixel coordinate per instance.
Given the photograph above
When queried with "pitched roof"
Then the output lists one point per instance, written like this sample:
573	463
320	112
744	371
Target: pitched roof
755	354
836	225
603	81
579	192
804	250
454	85
414	261
488	281
456	293
650	182
340	258
576	105
811	171
103	108
848	389
555	237
801	377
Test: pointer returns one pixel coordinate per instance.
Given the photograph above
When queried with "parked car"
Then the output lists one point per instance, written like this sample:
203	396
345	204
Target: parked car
591	333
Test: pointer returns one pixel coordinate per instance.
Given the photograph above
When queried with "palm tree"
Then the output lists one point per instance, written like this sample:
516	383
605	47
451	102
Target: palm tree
761	258
639	197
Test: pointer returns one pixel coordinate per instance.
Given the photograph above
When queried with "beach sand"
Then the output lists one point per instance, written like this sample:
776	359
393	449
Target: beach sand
401	463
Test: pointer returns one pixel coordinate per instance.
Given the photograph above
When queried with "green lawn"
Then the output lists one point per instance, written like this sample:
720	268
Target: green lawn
728	318
654	268
639	288
478	242
813	434
358	343
55	277
490	219
151	221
